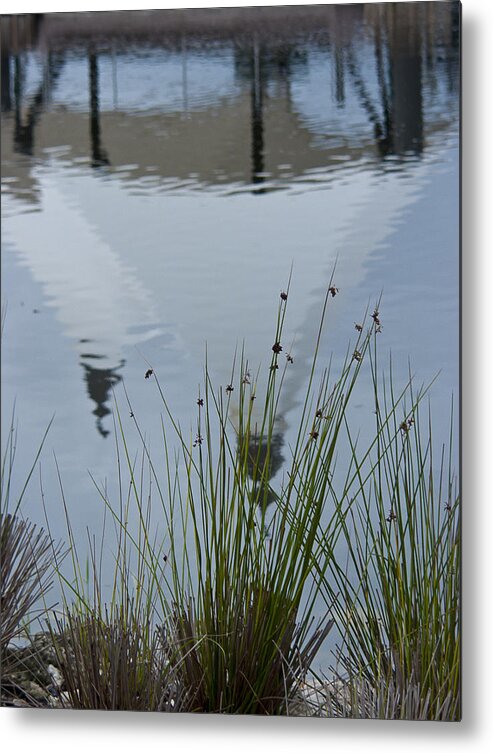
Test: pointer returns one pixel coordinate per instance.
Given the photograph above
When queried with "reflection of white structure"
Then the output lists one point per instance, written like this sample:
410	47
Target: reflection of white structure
97	298
116	266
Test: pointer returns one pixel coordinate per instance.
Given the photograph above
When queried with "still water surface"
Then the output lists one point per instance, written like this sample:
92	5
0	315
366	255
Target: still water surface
160	175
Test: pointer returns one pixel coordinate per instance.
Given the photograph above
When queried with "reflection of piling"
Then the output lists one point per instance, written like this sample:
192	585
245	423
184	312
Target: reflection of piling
18	33
98	154
184	75
257	120
339	74
24	130
383	132
453	46
18	86
114	79
398	118
6	83
339	42
404	36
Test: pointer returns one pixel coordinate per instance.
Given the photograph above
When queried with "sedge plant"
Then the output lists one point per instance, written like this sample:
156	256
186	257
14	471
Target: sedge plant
236	577
396	590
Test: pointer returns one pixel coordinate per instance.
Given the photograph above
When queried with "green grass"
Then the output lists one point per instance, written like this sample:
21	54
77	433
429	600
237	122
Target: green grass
397	594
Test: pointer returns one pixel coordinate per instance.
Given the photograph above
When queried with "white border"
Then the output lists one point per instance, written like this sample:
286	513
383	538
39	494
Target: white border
54	731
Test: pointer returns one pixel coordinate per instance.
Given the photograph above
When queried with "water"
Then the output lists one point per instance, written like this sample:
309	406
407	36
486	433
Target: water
161	172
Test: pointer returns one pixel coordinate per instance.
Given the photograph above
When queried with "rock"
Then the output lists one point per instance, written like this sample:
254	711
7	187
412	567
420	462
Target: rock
56	676
30	673
315	698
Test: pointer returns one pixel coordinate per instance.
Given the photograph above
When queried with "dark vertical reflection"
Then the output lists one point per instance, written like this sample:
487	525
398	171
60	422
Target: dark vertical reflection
18	89
339	41
396	108
406	85
24	130
6	82
98	154
18	33
369	104
184	74
428	54
339	71
99	384
264	460
383	129
257	120
453	47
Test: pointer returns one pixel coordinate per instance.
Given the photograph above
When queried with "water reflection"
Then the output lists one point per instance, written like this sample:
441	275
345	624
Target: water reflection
266	68
100	383
24	129
257	119
405	132
238	103
398	118
264	460
98	154
381	71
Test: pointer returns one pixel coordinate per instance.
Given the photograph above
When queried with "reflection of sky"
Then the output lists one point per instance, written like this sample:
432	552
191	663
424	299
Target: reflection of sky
148	81
312	91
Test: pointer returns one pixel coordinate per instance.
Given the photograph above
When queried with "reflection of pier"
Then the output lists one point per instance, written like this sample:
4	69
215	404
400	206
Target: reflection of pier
402	55
24	130
98	154
257	120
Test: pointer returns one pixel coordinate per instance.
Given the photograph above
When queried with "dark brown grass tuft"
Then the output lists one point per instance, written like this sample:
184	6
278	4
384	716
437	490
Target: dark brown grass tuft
26	557
114	662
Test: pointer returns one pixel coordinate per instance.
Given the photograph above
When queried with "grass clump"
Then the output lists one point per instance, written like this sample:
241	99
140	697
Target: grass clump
234	583
113	662
396	594
27	572
26	561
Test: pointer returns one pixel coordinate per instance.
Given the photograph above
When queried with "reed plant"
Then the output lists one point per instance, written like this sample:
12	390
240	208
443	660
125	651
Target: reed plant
396	592
233	579
232	582
26	565
113	661
107	632
26	571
